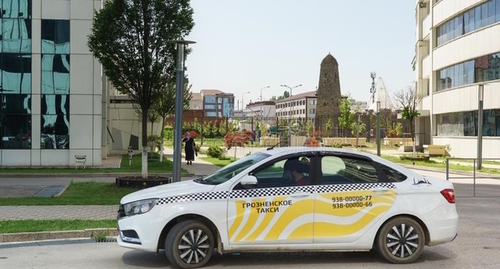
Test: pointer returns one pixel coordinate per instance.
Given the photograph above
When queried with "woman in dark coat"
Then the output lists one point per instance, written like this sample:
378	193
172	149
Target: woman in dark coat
189	148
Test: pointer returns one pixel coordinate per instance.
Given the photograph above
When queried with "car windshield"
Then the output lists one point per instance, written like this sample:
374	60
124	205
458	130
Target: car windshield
234	168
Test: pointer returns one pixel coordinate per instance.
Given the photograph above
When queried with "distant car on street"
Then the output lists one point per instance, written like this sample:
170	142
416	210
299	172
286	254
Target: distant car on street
293	199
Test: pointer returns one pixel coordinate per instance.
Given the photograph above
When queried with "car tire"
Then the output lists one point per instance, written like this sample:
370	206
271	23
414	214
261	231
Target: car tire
189	244
401	240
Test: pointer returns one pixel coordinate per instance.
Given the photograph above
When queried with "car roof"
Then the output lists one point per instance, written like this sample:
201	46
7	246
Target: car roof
290	150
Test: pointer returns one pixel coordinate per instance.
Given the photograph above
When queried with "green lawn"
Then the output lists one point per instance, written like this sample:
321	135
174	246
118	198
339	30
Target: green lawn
441	165
77	193
23	226
154	166
218	162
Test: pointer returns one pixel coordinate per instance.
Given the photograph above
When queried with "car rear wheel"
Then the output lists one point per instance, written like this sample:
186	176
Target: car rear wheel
401	240
189	244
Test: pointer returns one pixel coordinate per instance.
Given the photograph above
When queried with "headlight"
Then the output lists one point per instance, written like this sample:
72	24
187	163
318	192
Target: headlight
139	207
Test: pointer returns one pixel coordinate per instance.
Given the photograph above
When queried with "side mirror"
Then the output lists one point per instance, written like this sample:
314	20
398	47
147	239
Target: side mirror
249	182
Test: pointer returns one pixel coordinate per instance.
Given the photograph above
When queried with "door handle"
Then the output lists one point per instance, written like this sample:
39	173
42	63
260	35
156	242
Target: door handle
300	194
379	190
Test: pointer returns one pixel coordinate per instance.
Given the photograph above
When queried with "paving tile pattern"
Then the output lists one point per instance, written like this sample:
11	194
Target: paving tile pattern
92	212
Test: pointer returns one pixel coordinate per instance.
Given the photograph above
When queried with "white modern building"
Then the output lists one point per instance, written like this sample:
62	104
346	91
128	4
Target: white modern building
50	87
262	110
457	53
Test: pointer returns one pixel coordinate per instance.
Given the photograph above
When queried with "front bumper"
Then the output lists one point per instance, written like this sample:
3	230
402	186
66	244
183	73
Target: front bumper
140	231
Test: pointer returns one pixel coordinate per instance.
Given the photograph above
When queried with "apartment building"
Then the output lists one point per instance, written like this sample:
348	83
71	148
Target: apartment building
299	107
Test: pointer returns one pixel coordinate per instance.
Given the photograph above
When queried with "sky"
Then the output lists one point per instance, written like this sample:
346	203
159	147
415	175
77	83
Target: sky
243	46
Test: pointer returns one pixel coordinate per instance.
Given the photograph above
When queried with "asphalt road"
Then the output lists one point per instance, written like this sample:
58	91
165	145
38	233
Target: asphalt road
477	246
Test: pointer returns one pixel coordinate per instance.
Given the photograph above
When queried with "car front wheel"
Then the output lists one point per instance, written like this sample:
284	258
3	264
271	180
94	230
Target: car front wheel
401	240
189	244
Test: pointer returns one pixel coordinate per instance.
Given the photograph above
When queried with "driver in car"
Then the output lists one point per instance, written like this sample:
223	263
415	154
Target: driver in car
294	172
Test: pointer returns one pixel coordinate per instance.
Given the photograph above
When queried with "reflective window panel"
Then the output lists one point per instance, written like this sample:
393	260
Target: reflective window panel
16	8
55	74
55	36
15	104
16	73
55	132
15	35
55	122
16	131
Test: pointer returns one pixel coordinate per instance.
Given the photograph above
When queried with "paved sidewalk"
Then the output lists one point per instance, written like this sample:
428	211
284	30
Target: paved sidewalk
89	212
21	187
30	186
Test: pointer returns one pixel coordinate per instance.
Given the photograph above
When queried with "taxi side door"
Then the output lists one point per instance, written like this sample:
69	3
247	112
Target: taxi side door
351	196
275	211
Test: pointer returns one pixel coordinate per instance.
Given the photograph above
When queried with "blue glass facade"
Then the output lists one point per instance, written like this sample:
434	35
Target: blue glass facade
15	79
55	84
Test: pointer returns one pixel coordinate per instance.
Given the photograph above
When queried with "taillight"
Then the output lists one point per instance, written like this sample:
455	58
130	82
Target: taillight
449	195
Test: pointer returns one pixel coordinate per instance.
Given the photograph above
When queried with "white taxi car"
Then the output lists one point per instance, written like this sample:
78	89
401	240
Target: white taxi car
292	199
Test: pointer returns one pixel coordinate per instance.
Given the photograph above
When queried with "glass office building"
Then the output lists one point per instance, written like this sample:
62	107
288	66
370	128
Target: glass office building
51	109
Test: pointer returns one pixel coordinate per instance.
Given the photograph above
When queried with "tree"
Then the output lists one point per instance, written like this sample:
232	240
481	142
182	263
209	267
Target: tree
310	128
346	117
328	127
165	105
354	128
130	40
237	139
153	117
407	100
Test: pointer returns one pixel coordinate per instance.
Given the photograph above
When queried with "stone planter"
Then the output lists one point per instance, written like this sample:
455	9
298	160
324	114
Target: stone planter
139	182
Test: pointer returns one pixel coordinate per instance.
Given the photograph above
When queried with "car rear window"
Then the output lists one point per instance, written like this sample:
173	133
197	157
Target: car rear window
393	175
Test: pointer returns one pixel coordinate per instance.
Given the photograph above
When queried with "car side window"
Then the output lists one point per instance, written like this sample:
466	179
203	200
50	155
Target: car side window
292	171
342	170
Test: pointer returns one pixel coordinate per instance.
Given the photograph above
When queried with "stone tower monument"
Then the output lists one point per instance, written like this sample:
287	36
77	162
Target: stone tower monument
328	96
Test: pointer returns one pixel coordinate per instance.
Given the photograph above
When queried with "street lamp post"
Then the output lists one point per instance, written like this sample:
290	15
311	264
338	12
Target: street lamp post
262	110
480	98
357	129
290	110
243	104
378	128
179	89
373	75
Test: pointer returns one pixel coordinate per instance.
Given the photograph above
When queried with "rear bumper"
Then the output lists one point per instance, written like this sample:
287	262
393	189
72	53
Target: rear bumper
442	224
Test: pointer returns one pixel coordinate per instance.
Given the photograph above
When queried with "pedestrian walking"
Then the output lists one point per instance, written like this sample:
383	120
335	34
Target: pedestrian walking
189	148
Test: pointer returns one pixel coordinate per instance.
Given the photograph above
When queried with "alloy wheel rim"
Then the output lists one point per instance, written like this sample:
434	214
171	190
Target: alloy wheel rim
402	240
193	246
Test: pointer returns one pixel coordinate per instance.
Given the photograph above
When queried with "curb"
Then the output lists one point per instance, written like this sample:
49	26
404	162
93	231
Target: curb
35	236
89	175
